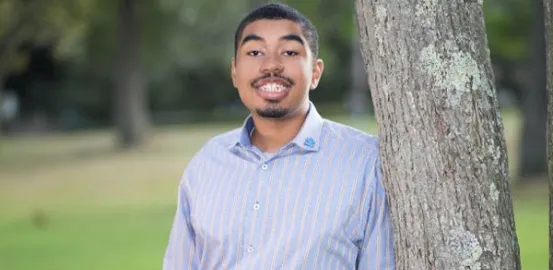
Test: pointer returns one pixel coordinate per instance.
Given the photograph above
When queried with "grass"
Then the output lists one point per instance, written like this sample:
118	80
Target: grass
70	201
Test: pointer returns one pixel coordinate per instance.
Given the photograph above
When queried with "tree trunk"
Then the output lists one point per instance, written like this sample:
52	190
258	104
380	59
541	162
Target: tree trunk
548	16
442	139
359	85
533	156
1	101
131	116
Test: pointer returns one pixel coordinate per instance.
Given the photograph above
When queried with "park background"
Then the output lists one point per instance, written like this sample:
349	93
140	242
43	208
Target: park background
103	102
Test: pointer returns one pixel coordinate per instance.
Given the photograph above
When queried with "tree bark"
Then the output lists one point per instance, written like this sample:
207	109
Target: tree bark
131	116
442	140
533	143
548	18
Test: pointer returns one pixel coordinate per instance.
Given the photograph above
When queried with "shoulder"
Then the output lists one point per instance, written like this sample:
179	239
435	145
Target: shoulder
366	147
224	140
211	148
355	138
358	145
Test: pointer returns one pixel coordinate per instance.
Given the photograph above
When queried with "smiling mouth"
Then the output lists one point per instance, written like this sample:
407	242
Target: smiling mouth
273	91
272	88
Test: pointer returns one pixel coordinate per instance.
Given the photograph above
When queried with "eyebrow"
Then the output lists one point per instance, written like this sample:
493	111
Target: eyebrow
293	37
289	37
251	37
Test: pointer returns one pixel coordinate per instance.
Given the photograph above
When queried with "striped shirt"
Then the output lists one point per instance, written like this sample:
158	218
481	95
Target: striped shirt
318	203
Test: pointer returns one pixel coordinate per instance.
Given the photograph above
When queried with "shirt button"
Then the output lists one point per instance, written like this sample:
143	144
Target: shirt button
264	167
250	249
256	206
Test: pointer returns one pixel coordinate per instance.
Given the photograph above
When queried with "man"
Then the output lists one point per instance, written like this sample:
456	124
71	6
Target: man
289	189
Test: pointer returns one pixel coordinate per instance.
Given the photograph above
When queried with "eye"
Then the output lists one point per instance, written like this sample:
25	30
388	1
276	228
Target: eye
290	53
254	53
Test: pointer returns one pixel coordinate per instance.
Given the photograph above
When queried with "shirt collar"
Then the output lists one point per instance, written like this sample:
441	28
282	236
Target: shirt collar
308	137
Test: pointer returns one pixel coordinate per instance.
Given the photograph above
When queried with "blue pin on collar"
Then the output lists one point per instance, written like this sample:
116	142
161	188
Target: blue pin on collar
309	142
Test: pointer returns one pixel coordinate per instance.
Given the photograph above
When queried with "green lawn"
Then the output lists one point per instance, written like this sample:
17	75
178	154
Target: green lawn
73	202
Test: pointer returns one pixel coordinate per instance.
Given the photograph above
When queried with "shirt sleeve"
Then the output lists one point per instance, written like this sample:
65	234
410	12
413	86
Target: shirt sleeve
180	252
377	250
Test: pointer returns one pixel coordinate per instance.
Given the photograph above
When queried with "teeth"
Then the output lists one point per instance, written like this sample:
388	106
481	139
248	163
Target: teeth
272	87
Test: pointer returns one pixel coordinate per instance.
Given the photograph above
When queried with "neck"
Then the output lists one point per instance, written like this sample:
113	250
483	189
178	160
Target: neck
272	134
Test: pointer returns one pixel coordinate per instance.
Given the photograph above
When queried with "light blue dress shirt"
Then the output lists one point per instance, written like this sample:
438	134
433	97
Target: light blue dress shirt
318	203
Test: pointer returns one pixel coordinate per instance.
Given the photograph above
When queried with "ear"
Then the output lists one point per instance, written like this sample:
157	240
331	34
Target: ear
318	68
233	71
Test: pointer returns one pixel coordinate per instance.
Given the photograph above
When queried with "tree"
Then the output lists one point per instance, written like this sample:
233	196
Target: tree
533	156
18	23
131	116
359	86
41	23
548	19
442	139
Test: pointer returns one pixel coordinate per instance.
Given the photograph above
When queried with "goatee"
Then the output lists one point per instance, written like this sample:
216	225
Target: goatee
274	113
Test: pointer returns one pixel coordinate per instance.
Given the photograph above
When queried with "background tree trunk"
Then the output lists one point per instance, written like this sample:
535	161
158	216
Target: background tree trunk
548	16
358	95
1	94
131	116
533	156
442	140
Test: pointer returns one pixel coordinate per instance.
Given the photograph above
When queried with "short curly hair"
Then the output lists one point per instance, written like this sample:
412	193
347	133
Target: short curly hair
279	11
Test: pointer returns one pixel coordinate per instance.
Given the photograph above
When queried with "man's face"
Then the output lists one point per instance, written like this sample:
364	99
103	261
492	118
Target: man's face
274	68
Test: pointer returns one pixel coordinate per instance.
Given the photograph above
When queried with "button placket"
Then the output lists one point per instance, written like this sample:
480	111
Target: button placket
251	237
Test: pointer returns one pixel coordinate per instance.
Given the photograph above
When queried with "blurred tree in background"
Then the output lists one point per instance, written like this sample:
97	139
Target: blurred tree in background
29	28
76	64
516	36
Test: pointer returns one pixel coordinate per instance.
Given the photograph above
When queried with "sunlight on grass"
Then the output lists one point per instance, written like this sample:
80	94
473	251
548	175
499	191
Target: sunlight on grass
72	201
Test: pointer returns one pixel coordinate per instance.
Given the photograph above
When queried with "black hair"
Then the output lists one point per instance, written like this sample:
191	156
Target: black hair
279	11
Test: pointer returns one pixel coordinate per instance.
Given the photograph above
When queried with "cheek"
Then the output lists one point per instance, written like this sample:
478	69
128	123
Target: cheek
244	76
304	73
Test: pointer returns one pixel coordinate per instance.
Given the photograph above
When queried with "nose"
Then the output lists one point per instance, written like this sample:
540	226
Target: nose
272	65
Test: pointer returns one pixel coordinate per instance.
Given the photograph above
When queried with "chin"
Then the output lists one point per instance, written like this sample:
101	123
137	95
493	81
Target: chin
273	111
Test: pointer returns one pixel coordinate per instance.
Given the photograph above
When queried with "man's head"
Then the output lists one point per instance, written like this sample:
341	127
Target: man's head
277	11
275	63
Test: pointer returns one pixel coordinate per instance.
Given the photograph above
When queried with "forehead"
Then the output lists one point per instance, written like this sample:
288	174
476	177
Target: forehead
267	29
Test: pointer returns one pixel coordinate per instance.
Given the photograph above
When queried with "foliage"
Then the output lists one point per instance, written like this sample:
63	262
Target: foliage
37	22
508	24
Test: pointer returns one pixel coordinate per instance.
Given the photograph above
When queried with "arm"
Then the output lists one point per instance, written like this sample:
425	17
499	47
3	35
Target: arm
377	250
180	252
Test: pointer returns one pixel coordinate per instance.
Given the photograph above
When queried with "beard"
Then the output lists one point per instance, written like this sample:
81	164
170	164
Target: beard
273	111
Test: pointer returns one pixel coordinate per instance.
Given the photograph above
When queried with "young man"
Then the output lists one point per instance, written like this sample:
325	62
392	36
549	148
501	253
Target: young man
289	189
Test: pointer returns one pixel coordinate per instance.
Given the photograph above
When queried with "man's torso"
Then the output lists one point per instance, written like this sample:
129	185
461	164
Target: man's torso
290	210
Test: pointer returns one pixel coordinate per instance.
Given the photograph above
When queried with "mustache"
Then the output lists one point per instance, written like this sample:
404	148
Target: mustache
287	80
